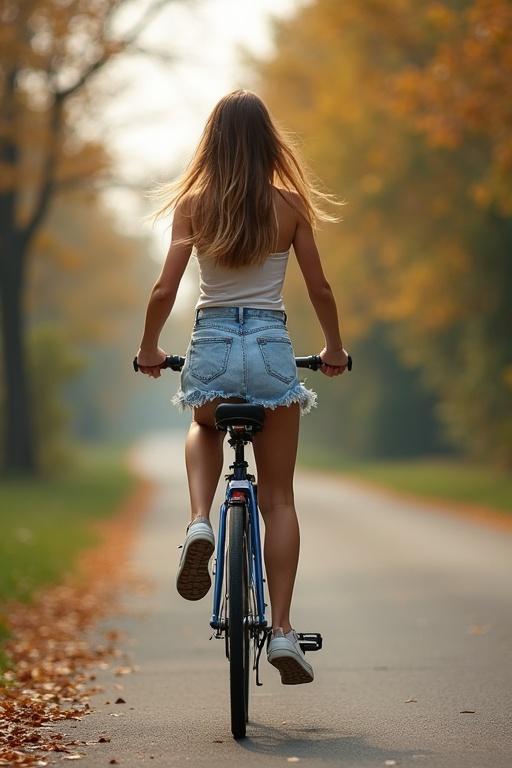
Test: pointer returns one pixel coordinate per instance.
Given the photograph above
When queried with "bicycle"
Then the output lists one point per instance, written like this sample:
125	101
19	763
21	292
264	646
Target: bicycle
238	614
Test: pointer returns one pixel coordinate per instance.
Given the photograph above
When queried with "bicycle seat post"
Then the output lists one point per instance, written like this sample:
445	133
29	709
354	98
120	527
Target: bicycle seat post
242	421
238	437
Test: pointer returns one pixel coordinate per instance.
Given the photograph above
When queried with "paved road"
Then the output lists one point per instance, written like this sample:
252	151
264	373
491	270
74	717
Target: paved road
415	609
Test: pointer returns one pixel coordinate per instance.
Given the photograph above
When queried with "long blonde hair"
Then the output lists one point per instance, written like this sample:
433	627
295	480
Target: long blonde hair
228	182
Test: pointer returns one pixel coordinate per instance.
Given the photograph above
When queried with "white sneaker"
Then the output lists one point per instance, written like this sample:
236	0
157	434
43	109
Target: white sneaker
284	653
193	578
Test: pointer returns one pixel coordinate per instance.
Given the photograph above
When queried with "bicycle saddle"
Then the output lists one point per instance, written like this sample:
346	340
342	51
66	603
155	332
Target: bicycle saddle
239	414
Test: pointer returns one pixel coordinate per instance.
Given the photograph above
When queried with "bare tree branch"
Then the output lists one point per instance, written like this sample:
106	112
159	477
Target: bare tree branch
147	17
48	172
50	160
164	56
120	47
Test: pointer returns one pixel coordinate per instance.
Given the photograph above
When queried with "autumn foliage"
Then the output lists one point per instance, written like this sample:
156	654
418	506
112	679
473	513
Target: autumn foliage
51	53
402	111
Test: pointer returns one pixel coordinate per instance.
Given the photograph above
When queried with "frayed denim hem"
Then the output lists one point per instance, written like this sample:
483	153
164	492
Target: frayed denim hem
306	398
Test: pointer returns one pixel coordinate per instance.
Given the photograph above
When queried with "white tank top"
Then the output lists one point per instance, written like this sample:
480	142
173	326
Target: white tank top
256	285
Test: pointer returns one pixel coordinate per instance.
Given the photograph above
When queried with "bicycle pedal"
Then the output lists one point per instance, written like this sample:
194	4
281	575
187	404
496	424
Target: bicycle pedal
310	641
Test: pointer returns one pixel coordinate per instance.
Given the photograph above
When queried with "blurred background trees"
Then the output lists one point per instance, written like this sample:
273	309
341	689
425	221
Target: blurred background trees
50	51
401	110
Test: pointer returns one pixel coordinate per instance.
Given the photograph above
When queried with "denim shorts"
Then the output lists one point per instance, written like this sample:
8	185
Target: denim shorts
241	352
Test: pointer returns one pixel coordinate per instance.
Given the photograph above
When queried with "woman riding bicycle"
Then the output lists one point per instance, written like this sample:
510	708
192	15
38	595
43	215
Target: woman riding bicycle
242	202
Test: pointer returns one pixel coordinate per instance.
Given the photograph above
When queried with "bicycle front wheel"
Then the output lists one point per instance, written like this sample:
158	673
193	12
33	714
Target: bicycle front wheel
238	629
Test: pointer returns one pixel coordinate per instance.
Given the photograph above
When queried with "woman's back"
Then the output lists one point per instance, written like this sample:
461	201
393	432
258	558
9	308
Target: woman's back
256	285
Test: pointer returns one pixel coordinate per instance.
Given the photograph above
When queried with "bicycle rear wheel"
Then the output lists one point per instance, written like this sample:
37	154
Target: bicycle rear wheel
238	630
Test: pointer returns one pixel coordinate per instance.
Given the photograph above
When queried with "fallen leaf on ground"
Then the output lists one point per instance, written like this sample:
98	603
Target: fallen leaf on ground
479	629
123	671
50	652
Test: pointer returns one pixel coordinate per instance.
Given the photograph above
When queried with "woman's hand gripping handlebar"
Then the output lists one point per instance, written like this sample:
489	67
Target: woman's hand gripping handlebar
174	362
315	362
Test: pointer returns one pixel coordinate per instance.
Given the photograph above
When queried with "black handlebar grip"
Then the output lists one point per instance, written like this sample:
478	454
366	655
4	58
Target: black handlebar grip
314	362
175	362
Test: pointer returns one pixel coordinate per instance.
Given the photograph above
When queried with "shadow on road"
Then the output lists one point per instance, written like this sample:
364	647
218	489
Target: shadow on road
313	743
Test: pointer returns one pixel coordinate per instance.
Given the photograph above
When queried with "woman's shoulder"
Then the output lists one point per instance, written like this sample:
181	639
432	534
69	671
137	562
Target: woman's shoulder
187	204
291	200
187	207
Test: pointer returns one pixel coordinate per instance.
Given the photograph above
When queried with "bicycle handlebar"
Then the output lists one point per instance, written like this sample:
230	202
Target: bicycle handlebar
315	361
176	362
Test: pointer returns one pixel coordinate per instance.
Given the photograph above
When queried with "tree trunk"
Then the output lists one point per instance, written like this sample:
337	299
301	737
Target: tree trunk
19	449
19	453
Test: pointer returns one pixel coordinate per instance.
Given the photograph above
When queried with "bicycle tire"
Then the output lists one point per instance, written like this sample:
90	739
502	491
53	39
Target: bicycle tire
237	627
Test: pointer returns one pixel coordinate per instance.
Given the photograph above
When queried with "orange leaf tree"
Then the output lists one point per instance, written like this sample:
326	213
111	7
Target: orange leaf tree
421	256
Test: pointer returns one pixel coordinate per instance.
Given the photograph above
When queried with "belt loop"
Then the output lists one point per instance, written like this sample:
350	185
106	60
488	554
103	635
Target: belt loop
240	314
285	317
197	315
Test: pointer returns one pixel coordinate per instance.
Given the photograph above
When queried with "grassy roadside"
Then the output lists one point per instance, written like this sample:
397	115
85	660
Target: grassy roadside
45	523
448	480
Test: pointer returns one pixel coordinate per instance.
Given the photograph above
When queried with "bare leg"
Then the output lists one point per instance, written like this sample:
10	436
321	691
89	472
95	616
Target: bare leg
203	459
275	451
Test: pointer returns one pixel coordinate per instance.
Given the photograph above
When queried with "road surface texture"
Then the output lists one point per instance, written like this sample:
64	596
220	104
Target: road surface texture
414	605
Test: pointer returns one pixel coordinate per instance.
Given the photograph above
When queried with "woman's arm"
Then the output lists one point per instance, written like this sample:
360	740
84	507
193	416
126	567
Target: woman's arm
334	356
163	294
